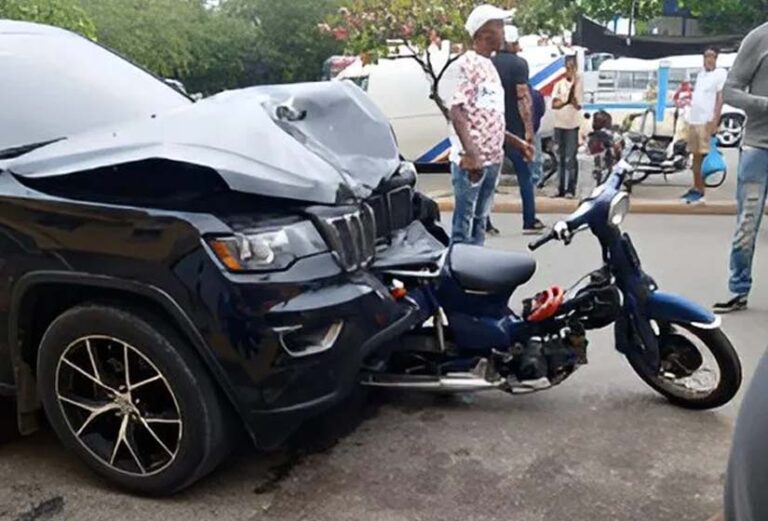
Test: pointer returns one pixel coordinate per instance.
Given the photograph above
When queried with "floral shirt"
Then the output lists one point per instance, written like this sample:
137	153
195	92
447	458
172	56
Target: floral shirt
480	91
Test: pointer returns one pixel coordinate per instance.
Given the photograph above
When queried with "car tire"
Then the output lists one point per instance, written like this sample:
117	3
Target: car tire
130	397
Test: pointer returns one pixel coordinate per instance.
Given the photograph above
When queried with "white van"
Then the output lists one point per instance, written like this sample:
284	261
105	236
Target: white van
401	89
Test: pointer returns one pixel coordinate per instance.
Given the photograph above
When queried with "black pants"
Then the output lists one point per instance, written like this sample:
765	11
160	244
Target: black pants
568	146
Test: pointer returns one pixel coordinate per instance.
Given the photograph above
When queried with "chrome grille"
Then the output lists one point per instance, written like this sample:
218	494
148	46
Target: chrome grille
352	237
392	211
400	203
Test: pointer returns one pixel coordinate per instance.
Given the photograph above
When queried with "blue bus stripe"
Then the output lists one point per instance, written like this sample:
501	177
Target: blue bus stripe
435	151
548	71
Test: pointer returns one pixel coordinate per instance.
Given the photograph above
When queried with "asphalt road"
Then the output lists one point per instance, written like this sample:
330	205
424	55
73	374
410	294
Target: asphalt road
602	446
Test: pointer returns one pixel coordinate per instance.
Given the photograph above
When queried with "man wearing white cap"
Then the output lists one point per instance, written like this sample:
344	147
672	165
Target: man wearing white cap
477	116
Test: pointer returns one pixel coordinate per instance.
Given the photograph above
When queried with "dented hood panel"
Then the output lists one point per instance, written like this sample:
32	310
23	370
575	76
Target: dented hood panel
333	142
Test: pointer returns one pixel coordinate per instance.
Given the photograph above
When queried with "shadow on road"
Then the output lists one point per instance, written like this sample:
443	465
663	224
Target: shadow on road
8	431
265	470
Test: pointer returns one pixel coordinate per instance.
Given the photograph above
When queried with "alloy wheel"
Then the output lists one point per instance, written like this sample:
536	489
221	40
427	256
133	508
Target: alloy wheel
119	405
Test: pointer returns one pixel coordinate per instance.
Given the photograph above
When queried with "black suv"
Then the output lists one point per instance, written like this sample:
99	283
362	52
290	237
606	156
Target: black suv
171	271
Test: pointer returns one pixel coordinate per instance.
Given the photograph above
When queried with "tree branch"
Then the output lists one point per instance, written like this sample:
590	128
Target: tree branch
450	62
425	66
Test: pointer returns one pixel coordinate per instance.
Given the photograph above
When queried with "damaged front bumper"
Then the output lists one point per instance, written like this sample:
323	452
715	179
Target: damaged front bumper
292	344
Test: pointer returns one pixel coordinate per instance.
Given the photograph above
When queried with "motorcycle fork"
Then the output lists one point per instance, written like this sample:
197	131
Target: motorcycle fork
634	330
438	318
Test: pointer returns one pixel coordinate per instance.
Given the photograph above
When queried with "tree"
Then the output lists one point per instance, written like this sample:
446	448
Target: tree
549	17
607	10
180	39
555	16
368	26
68	14
292	46
728	16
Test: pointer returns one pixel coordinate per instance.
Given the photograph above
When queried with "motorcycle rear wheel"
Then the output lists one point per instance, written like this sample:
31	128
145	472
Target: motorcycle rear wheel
724	355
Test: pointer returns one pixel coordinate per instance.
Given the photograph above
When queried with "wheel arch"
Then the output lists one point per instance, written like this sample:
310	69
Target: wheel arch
26	329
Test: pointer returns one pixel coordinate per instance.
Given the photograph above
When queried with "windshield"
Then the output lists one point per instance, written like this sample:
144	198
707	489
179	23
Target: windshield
56	84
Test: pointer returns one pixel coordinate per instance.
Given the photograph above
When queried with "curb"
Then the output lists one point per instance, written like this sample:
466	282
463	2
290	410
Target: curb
546	205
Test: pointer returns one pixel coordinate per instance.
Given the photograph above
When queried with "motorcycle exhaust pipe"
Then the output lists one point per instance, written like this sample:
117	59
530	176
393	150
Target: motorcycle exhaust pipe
451	383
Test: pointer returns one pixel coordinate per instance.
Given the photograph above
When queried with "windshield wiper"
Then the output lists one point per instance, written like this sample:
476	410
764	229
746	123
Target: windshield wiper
13	152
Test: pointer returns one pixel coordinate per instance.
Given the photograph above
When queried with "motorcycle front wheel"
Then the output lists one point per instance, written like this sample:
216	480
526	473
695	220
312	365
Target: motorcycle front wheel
699	367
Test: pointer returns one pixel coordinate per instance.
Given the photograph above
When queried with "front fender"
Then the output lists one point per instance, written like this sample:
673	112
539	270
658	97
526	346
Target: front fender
667	307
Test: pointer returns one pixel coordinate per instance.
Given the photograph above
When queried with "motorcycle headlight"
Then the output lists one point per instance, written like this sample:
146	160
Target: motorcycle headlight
619	209
269	249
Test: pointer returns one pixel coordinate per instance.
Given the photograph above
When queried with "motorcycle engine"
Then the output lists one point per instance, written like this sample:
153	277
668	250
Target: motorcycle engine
562	352
680	148
598	303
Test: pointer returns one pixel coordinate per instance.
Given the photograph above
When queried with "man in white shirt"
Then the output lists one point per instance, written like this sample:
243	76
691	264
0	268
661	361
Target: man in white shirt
566	102
704	118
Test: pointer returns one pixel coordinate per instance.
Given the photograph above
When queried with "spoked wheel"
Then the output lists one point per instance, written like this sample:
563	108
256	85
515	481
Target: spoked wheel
699	367
731	130
637	176
548	169
119	405
129	396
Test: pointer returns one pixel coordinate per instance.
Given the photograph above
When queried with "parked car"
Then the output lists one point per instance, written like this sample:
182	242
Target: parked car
174	272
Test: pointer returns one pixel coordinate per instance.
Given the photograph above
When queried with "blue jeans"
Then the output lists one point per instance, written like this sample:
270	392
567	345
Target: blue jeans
568	148
473	203
525	182
537	165
752	187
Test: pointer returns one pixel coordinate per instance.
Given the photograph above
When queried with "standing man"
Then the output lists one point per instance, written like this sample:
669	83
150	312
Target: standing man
704	118
747	89
518	104
566	101
477	117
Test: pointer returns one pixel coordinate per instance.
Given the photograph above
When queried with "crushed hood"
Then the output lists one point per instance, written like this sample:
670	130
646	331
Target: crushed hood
315	142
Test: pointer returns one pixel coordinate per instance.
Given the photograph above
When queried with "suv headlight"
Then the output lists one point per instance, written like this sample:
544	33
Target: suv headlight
269	249
619	209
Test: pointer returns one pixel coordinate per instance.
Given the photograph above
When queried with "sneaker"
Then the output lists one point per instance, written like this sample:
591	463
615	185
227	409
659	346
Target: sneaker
695	197
537	228
686	195
737	303
569	195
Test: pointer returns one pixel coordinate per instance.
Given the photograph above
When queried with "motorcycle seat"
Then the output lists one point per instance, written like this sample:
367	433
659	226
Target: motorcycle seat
489	271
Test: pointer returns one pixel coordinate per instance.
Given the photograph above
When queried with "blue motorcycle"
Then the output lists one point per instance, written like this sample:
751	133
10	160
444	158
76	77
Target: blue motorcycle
468	339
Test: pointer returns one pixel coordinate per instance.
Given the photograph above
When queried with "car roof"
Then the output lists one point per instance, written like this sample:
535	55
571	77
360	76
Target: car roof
16	27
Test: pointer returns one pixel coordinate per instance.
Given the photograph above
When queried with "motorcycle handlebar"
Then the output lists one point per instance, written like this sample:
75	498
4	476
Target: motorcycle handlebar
541	241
